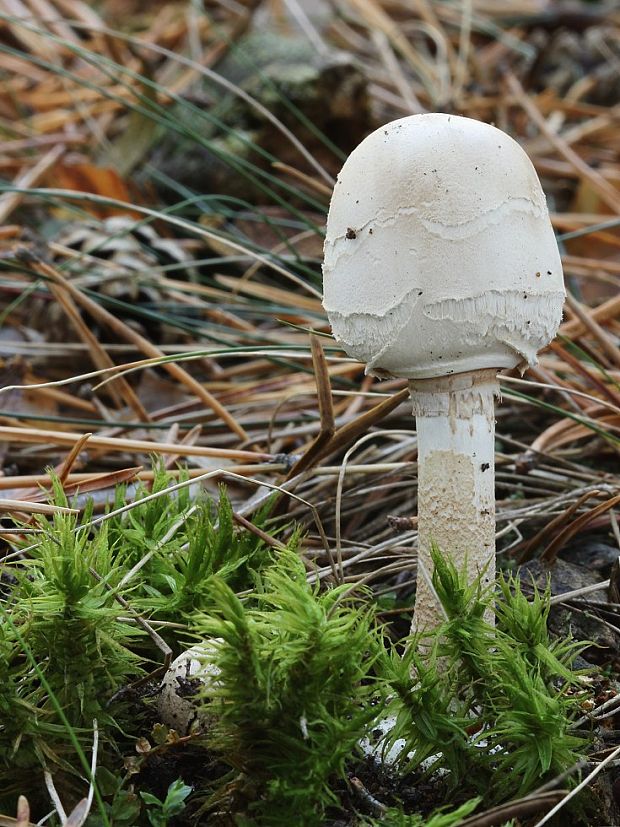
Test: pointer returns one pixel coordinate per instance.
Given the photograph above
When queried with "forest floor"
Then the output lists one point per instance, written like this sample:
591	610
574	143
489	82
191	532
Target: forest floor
166	169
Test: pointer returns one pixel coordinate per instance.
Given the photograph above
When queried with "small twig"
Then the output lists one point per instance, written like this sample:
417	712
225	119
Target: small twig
593	587
266	538
596	714
377	807
579	787
555	782
521	808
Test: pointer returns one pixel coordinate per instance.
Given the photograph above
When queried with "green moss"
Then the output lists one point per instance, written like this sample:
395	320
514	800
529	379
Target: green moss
304	671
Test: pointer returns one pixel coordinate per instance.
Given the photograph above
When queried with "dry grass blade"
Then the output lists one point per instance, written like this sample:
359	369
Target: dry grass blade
326	411
566	431
577	525
586	781
608	346
9	201
580	399
537	540
270	293
26	507
607	311
306	180
80	812
120	389
346	434
190	438
522	808
72	483
607	192
376	18
604	388
567	597
99	482
146	347
7	821
157	639
93	481
53	794
42	437
71	458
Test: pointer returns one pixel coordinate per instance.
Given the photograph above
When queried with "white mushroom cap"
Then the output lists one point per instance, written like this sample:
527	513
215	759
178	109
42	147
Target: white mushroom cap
440	256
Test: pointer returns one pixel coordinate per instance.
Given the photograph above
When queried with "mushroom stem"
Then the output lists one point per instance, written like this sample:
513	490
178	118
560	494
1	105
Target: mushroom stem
456	480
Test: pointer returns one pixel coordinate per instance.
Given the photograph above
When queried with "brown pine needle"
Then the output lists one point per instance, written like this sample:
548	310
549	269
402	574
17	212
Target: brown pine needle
35	508
120	389
42	437
124	332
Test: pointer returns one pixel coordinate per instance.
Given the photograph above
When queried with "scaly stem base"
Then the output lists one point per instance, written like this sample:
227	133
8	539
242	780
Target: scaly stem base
456	480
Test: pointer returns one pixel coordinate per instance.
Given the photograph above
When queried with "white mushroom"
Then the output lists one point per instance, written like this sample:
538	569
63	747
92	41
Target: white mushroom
441	266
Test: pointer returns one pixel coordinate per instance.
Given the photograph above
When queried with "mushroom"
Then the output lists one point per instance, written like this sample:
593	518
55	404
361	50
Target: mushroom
441	267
